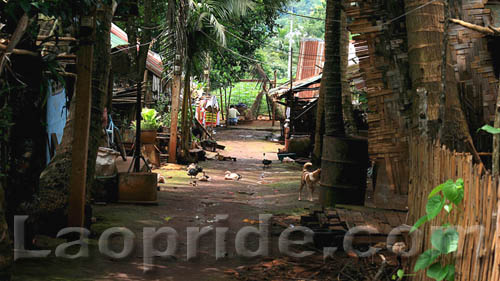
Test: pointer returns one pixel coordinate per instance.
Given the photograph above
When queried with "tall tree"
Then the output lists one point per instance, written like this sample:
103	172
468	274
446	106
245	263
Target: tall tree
329	115
437	111
49	208
22	147
203	28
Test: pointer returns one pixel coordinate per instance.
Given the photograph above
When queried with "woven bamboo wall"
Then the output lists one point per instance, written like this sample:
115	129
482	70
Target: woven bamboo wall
382	54
478	258
473	63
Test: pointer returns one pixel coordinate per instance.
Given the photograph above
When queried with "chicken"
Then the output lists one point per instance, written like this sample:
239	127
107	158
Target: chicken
205	178
232	176
266	162
193	170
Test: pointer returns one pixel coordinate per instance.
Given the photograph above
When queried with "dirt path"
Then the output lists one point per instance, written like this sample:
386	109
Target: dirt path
181	205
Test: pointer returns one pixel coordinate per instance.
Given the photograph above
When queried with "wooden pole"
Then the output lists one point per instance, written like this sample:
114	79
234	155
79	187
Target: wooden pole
138	109
174	114
78	177
228	104
221	103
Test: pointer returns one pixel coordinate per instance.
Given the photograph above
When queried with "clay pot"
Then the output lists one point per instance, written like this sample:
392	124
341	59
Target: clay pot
148	137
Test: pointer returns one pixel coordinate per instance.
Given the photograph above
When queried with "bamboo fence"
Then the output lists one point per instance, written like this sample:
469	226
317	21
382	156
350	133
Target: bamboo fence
478	256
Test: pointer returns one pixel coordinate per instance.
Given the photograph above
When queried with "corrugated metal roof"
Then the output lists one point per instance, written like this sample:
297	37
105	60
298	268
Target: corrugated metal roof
297	86
120	38
117	41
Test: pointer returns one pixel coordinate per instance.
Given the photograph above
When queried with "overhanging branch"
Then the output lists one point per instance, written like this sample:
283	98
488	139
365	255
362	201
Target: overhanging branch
489	30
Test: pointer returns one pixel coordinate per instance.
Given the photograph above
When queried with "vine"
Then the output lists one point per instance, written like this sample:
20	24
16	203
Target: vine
445	238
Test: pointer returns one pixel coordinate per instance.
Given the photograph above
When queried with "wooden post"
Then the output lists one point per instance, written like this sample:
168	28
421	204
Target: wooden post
228	104
174	114
78	177
221	103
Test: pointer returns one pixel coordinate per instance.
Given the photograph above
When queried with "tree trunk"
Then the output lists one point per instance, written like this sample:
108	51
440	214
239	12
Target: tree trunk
49	211
347	108
334	71
174	118
437	111
5	243
25	140
425	36
320	129
100	88
495	162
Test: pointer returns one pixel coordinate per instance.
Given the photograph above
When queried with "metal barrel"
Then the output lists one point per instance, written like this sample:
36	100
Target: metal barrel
343	171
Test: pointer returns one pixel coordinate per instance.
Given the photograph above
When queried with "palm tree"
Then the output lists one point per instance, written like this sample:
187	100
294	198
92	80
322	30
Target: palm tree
195	26
333	70
437	103
329	116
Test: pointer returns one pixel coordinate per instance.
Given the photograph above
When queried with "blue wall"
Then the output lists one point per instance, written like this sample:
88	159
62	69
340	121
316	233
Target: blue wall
56	115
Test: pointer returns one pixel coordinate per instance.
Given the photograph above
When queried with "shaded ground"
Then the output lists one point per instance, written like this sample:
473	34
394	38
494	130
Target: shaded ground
181	205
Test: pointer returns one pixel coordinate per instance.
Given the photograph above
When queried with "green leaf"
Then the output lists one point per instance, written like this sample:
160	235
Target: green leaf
25	6
421	221
451	273
454	193
490	129
445	241
434	206
401	273
438	188
436	271
426	259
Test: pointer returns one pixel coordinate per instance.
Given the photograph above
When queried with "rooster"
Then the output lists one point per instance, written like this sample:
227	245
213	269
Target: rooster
266	162
193	170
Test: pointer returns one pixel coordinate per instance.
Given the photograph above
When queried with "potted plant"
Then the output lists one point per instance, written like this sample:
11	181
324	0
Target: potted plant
149	125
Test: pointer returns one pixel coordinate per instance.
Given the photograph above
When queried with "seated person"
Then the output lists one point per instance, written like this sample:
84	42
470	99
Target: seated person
233	115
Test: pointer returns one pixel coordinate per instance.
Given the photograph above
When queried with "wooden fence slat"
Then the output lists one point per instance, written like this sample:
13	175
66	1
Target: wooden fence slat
431	164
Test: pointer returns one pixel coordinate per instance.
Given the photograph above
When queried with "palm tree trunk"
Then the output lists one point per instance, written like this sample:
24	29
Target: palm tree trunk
320	129
425	36
100	88
433	78
333	70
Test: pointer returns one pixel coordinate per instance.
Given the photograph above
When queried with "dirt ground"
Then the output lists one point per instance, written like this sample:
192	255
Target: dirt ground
181	205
